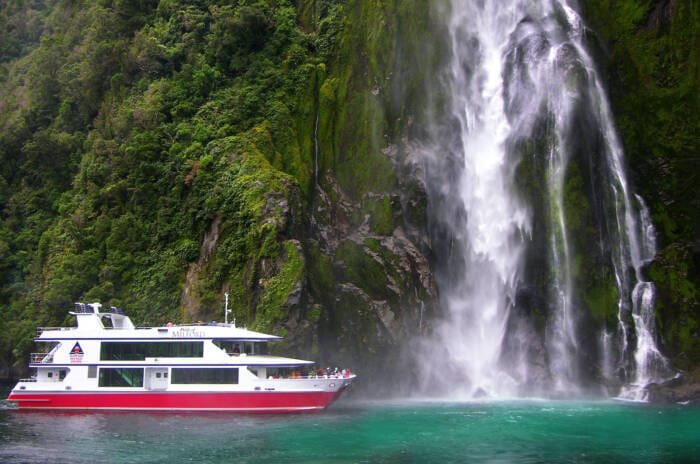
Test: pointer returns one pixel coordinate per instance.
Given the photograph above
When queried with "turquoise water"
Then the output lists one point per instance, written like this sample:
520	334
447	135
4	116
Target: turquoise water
365	432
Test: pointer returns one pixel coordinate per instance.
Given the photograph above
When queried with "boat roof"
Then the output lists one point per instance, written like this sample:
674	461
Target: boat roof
114	324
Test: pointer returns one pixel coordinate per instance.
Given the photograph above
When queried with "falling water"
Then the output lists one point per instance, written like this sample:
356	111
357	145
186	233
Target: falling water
650	365
315	186
478	217
516	67
316	150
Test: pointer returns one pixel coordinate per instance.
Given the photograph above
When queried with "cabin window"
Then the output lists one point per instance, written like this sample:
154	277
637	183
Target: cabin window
139	351
238	347
121	377
107	322
206	376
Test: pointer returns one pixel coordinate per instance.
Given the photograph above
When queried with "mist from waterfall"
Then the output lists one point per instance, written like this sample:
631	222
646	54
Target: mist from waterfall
518	72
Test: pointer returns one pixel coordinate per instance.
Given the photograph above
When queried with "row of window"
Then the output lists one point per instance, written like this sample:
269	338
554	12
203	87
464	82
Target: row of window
133	376
139	351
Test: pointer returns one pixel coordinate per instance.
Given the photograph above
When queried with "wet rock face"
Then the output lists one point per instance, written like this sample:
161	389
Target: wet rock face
685	388
378	289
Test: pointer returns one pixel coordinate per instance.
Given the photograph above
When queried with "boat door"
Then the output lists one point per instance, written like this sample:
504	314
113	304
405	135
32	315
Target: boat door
156	378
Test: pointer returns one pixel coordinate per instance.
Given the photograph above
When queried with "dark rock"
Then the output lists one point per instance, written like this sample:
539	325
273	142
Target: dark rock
685	388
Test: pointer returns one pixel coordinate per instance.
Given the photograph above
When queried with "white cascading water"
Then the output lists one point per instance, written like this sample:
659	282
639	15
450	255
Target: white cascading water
649	364
512	64
488	238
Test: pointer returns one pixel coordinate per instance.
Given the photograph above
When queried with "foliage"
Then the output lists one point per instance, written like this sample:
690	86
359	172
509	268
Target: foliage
126	129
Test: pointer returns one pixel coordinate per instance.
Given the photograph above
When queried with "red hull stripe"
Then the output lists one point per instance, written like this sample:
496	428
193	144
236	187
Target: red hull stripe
178	401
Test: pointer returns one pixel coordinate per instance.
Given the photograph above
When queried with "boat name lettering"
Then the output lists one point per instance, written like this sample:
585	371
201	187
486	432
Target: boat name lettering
187	332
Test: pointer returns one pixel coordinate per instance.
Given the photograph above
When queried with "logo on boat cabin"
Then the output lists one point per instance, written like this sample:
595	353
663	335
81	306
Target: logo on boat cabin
76	353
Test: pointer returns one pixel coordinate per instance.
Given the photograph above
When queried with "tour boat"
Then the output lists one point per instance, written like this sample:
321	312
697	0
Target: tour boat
106	363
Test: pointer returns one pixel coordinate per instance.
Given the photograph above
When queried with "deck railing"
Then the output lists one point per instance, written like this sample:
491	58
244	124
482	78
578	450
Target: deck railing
334	375
40	330
40	358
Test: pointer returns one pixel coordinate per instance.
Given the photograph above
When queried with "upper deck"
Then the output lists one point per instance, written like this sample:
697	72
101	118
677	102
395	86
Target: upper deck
94	324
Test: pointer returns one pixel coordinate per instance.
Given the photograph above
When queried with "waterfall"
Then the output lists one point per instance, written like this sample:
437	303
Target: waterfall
518	75
650	365
315	187
476	216
316	149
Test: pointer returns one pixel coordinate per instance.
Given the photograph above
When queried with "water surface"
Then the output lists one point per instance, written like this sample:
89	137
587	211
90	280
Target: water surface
365	432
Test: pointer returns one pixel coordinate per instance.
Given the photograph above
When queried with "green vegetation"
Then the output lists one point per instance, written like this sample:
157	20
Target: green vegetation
128	128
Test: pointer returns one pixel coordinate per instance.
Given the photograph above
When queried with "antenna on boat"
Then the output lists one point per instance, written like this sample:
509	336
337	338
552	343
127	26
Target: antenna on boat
226	310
